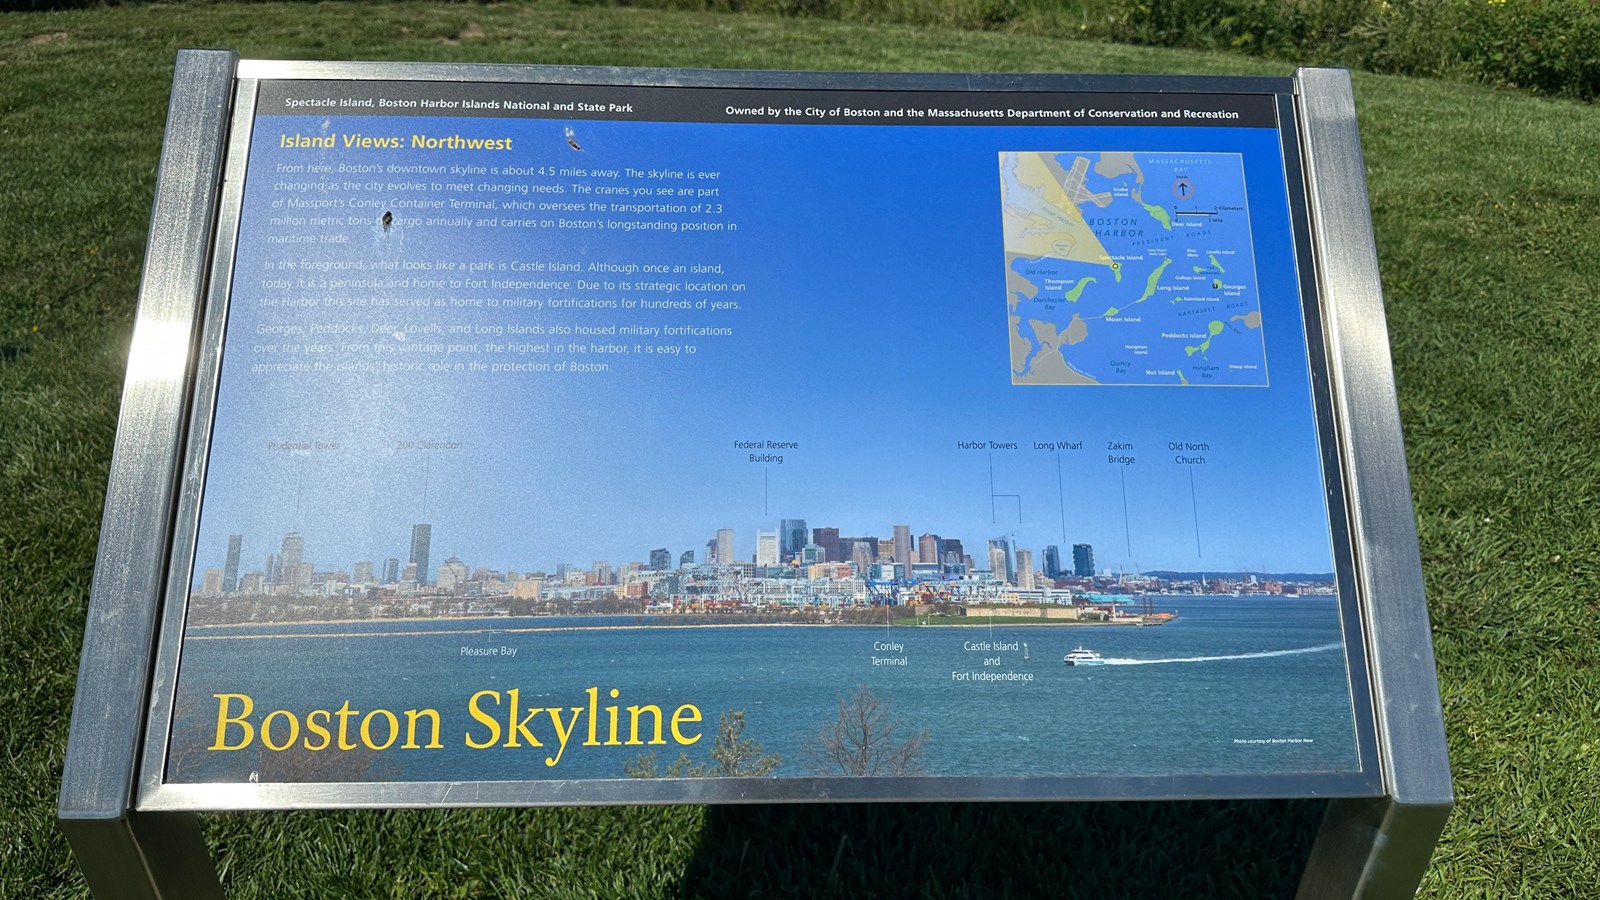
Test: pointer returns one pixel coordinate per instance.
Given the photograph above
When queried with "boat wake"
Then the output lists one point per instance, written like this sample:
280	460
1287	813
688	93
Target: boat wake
1111	661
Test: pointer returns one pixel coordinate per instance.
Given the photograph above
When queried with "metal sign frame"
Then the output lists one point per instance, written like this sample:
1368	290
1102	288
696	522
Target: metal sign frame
135	836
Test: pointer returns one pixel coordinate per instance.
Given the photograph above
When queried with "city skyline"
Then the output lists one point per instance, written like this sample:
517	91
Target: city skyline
1003	556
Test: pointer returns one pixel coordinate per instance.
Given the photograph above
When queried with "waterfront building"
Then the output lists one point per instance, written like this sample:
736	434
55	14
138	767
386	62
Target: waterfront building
1082	560
792	538
421	546
824	571
230	570
687	559
660	559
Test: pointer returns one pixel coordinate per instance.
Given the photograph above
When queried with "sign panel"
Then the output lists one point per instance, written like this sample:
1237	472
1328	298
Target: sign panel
748	443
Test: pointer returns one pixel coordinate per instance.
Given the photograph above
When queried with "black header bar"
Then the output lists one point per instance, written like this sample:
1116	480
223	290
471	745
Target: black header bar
769	106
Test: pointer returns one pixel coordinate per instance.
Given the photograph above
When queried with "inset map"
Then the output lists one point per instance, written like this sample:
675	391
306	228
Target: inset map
1130	269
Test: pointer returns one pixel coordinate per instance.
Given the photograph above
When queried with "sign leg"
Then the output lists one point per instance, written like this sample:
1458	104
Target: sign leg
144	856
1371	848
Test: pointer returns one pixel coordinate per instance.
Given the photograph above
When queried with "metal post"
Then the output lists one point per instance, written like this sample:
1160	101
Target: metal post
1372	848
124	853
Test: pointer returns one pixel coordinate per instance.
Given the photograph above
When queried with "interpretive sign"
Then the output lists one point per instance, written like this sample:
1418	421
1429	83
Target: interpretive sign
558	426
573	436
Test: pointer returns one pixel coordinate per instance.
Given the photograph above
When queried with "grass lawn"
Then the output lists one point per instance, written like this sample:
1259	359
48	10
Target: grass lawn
1484	205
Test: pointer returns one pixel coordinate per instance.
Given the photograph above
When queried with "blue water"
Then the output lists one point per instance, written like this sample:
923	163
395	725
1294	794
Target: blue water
1213	692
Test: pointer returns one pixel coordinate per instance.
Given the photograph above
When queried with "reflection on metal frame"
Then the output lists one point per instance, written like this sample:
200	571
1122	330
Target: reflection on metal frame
122	852
1368	846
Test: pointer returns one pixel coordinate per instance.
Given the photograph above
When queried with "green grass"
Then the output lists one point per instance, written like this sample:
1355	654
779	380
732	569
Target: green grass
1483	205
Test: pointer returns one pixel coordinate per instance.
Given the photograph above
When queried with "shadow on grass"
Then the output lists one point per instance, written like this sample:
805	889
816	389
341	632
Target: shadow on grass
969	850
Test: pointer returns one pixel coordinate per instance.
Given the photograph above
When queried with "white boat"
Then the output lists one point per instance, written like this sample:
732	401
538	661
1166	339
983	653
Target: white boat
1083	657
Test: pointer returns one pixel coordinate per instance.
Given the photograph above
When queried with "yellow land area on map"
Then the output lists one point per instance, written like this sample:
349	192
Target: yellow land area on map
1043	219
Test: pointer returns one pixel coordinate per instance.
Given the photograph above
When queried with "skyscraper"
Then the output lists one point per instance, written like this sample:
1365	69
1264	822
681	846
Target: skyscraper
862	553
363	572
421	544
391	571
928	548
766	548
660	559
828	540
1003	543
902	545
997	562
1052	561
1083	560
856	549
954	553
687	559
724	546
791	538
1025	569
230	570
294	546
452	576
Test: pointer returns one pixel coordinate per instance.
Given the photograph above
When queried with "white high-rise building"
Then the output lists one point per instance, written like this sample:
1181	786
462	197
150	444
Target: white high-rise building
997	563
766	548
1025	569
452	575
